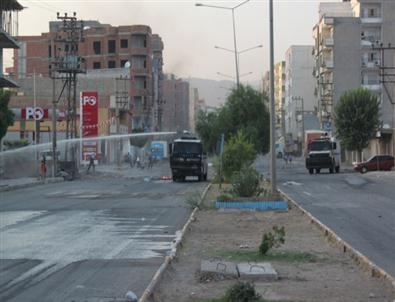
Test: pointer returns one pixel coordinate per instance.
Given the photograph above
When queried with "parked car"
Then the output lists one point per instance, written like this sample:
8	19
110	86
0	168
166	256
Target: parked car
375	163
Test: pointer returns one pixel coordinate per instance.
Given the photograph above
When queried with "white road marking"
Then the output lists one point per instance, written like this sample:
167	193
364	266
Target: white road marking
63	237
307	193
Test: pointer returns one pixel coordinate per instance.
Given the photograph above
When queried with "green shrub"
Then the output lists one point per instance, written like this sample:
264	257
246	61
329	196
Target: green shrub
193	200
224	197
242	292
246	183
270	240
238	152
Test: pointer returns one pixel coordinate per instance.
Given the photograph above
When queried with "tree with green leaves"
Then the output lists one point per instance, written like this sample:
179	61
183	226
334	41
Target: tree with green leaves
357	118
238	153
6	115
244	110
207	126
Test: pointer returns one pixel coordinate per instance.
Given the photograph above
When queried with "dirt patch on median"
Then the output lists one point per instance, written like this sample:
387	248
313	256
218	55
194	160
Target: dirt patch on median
331	276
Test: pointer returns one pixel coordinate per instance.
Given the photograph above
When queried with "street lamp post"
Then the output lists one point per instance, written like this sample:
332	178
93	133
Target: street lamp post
272	117
229	76
239	53
234	32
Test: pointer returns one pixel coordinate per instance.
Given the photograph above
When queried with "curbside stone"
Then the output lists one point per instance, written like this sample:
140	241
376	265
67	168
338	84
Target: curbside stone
6	188
173	253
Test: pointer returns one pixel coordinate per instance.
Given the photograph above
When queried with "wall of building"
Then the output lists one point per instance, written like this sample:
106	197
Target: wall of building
300	83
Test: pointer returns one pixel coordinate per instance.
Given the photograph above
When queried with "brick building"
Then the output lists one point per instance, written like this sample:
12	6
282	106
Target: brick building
176	97
105	47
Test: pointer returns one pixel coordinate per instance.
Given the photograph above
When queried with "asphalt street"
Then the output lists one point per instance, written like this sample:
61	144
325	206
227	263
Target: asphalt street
360	208
90	240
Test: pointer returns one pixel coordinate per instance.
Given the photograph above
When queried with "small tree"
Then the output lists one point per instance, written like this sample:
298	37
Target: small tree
239	152
242	292
357	118
271	240
6	115
246	182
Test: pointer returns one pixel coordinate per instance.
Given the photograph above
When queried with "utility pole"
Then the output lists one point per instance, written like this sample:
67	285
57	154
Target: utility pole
387	76
302	112
121	103
66	64
273	171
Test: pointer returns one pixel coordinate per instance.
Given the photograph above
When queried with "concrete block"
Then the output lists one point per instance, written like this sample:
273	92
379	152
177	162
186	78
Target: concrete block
257	270
219	267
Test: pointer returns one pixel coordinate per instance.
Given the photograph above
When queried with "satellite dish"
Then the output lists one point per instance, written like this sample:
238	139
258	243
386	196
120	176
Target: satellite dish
127	64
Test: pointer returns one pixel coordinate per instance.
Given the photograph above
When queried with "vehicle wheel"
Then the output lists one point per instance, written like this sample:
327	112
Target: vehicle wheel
311	171
331	170
317	171
337	169
364	170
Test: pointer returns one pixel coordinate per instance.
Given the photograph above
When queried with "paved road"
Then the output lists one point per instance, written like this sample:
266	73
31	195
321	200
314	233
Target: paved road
90	240
359	208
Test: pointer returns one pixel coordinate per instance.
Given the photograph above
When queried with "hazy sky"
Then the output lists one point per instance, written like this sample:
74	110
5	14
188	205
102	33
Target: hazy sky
190	33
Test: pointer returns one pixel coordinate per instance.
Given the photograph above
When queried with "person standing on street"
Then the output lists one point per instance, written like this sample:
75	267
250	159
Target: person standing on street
43	169
91	164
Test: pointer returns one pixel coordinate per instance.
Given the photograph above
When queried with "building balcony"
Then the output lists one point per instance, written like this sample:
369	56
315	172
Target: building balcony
373	86
371	64
366	43
372	20
6	41
328	42
328	21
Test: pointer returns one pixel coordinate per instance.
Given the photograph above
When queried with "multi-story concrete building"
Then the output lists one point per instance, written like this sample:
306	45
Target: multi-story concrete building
299	91
176	98
106	47
8	29
345	59
279	97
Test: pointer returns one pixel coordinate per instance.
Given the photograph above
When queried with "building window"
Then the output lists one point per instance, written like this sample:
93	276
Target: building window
124	43
139	62
111	64
139	41
49	51
123	62
97	47
96	65
111	46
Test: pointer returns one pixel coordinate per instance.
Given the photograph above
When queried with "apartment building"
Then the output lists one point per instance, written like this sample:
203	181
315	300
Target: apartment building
279	97
300	102
176	96
106	47
345	59
8	29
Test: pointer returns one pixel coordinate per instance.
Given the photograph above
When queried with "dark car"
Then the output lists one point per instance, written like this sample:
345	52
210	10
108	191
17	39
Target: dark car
375	163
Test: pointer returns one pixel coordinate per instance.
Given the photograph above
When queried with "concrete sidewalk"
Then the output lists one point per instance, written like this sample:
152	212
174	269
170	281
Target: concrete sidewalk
25	182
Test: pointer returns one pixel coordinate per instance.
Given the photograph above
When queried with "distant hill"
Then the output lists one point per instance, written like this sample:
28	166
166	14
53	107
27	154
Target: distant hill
214	92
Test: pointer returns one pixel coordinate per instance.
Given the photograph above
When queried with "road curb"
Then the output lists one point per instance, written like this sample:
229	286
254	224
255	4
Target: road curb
362	261
173	253
32	184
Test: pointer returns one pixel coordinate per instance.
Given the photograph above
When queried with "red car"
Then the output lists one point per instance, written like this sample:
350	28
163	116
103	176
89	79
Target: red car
375	163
